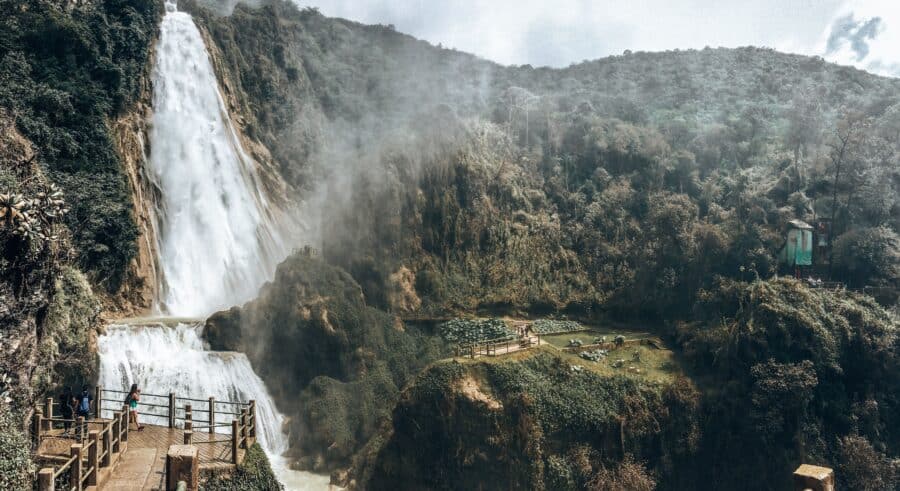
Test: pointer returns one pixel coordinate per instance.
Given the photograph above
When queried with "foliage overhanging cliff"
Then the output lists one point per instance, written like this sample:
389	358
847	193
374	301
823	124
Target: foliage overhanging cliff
67	72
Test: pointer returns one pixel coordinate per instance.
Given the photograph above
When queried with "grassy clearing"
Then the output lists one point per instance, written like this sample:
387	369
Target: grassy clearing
587	336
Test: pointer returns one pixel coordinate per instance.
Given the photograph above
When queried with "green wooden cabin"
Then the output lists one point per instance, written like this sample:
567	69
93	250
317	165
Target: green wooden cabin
797	250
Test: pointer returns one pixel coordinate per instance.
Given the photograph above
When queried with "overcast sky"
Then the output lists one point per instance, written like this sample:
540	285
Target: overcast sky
864	33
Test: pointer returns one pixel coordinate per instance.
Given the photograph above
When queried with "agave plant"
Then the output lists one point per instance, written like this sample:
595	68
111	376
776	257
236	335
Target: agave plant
33	218
49	204
11	208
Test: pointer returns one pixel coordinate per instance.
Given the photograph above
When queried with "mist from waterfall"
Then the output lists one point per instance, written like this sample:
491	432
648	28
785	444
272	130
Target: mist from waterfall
217	240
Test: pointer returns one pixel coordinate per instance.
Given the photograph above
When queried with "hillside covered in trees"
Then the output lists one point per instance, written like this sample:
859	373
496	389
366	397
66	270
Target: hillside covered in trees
652	187
622	184
647	188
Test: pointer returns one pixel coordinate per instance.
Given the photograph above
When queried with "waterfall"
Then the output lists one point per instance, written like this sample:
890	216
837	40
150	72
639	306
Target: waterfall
217	244
162	359
217	240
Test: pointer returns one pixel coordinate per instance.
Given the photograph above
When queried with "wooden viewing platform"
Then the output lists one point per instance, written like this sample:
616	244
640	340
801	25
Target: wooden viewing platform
102	453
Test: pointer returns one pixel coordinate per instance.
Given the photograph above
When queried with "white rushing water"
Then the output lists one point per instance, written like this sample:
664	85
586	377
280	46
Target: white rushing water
167	356
217	240
217	244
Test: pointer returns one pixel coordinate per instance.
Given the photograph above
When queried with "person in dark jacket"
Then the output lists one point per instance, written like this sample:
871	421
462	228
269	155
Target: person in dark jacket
67	408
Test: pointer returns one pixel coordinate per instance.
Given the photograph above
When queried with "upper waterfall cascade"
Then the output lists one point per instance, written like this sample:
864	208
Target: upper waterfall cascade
217	242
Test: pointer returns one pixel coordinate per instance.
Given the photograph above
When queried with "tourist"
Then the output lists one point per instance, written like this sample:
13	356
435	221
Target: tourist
84	402
134	395
67	408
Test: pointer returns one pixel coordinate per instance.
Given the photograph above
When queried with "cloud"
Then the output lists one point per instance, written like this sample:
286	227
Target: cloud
864	34
858	33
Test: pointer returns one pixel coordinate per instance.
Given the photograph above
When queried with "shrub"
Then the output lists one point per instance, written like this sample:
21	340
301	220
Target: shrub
548	326
464	331
16	469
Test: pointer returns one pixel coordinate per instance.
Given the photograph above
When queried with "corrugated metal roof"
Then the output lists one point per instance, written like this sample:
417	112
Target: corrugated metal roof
800	224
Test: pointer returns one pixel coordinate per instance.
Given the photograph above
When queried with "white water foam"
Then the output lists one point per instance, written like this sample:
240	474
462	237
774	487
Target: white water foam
218	242
163	360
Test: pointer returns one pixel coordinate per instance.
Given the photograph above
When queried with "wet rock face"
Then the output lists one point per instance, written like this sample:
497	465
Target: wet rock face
333	364
223	330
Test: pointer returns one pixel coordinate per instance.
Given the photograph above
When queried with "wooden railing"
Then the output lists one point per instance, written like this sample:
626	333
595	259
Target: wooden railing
110	440
496	346
243	429
85	459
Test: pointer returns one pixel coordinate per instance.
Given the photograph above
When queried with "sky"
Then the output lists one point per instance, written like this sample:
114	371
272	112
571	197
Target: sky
863	33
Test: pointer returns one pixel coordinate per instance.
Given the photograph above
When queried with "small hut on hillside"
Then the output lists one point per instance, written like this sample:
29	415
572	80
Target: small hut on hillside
798	247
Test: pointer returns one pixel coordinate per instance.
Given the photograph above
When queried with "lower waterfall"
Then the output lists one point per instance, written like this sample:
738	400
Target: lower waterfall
167	355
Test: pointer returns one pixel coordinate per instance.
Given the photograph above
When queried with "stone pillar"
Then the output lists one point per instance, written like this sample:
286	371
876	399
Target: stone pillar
813	478
182	464
45	480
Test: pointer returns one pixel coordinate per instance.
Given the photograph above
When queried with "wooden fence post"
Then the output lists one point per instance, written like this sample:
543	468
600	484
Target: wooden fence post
244	428
171	409
38	425
107	445
48	412
93	457
75	471
188	413
126	422
98	399
234	441
45	480
188	432
212	414
253	420
80	429
116	430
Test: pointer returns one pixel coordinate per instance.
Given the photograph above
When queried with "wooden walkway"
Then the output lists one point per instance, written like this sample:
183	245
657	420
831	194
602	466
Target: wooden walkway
103	454
143	466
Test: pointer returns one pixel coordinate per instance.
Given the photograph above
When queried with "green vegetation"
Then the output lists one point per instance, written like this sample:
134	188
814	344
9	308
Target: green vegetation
64	73
623	185
793	372
16	468
533	424
254	474
467	331
643	186
550	326
69	331
331	361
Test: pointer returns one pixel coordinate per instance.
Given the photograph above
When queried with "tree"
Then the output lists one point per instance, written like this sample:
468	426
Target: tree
868	254
848	138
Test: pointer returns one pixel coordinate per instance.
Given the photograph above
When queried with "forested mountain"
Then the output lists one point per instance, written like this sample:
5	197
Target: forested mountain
654	189
634	179
654	186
